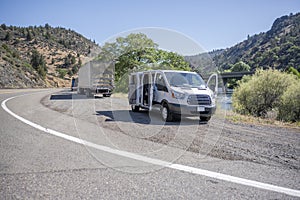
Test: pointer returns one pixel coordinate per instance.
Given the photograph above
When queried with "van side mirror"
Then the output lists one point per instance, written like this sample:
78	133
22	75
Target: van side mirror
165	89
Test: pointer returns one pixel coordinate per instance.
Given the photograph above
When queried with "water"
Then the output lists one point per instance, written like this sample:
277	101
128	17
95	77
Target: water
225	101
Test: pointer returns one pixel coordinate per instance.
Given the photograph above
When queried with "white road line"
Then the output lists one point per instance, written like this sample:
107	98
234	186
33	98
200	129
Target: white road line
158	162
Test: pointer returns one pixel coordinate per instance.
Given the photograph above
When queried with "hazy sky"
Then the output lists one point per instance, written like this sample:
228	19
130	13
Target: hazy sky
212	24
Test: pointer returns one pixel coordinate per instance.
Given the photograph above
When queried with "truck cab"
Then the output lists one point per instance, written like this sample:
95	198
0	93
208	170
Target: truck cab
174	93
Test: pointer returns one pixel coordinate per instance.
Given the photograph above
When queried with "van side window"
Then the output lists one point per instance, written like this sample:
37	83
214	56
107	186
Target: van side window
160	83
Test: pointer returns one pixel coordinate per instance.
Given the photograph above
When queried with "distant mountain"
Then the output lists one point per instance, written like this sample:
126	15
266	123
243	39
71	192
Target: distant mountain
278	48
203	63
41	56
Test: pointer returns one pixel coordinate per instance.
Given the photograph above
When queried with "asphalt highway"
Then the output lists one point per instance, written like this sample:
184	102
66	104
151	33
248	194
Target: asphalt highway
52	154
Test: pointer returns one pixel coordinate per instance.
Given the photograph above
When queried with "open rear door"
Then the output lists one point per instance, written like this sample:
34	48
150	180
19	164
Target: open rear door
212	83
146	90
150	91
134	90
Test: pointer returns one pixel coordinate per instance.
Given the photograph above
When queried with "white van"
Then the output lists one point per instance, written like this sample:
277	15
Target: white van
174	93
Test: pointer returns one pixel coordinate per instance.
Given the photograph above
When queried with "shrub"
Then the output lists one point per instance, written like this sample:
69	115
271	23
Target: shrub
38	63
41	71
262	92
62	73
289	109
294	71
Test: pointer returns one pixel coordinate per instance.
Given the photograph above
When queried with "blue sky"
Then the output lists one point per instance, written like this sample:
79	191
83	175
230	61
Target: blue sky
212	24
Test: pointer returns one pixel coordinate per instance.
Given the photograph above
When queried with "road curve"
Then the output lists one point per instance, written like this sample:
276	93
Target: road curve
39	165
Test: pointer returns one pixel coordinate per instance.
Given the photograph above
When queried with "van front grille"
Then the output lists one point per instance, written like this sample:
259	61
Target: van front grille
199	99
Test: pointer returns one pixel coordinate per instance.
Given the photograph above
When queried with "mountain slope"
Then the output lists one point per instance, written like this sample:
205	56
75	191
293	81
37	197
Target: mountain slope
61	51
203	63
278	48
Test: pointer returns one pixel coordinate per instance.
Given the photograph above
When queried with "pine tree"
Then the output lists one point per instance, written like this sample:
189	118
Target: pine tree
29	36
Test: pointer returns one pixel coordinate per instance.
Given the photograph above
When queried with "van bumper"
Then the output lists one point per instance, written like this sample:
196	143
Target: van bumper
180	109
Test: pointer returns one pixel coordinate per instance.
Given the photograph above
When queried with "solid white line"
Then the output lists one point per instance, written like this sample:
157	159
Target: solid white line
192	170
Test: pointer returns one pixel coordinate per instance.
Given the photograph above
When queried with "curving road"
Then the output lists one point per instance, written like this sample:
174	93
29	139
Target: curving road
70	147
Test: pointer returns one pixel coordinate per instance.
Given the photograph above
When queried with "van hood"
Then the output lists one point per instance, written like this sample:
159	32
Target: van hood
189	91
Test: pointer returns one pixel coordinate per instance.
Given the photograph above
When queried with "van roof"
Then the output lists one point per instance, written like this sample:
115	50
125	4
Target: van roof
158	70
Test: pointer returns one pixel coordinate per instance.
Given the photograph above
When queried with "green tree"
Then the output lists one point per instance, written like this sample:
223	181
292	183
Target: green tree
7	36
137	52
237	67
38	63
146	59
29	36
142	59
79	62
123	45
48	35
3	26
47	26
240	67
73	60
69	60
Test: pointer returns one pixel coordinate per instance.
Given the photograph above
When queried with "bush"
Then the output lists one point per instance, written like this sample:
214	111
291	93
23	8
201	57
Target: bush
289	109
62	73
262	92
38	63
294	71
41	71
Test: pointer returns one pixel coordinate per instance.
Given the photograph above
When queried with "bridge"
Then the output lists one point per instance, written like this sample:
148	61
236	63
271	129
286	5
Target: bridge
225	76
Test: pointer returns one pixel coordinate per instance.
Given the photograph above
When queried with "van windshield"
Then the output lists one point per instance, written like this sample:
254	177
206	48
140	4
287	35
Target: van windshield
183	79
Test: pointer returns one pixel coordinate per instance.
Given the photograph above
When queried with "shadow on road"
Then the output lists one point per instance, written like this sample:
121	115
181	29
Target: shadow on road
145	117
61	96
71	96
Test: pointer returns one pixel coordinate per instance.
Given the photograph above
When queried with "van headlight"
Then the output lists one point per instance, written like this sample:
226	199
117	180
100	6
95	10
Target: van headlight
178	95
213	99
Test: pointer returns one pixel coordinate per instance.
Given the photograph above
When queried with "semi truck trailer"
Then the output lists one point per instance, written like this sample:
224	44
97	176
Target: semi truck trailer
96	78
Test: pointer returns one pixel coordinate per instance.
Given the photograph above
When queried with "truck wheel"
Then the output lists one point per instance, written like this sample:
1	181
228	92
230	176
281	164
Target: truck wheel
165	112
135	108
80	91
89	93
205	119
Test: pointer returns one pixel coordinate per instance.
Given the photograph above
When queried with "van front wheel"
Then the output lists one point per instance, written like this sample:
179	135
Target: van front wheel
166	115
205	119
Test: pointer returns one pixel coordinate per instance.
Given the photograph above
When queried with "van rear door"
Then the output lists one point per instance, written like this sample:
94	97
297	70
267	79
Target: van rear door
147	90
134	89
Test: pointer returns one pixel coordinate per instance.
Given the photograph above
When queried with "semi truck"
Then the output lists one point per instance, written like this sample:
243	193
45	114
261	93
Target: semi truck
96	78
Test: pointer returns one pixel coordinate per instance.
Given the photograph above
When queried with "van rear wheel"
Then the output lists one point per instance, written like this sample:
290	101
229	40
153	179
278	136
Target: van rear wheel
166	114
135	108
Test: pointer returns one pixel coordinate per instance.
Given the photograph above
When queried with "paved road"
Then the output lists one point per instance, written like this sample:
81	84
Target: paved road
36	165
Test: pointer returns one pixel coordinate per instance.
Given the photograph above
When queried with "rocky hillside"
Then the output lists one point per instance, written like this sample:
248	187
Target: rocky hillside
41	56
203	63
277	48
